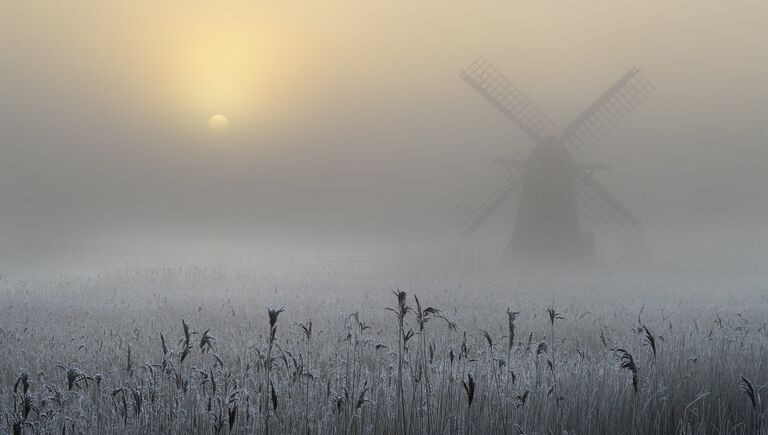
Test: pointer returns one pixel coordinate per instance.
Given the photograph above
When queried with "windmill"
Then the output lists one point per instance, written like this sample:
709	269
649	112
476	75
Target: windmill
554	190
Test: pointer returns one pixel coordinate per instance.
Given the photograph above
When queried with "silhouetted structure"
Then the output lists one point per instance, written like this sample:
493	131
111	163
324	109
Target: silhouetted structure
553	187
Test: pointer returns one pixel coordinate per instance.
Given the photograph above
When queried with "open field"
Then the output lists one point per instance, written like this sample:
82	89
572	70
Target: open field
109	353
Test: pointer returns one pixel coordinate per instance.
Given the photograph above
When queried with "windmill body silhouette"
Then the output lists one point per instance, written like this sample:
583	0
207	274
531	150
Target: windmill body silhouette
554	189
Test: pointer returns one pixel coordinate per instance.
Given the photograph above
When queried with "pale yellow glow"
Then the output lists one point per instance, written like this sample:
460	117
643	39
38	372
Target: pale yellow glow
243	65
218	123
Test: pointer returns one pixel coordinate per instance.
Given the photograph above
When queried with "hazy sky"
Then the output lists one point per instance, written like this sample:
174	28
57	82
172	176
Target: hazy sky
346	112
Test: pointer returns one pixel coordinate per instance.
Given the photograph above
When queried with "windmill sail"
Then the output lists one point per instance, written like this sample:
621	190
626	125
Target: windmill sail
604	211
476	208
494	87
607	112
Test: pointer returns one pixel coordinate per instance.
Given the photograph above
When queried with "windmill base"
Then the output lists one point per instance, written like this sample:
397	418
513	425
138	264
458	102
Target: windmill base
581	250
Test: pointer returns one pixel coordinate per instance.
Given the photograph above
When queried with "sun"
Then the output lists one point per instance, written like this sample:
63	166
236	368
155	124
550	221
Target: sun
218	123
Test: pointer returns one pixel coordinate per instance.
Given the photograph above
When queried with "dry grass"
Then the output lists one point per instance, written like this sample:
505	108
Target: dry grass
199	351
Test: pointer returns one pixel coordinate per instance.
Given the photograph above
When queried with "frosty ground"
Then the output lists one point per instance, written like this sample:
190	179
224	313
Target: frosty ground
602	351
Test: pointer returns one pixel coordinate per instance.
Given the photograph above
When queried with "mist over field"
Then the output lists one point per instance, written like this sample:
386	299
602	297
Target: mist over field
383	217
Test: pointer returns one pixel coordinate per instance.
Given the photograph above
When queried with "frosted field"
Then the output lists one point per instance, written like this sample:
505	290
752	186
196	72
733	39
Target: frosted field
108	353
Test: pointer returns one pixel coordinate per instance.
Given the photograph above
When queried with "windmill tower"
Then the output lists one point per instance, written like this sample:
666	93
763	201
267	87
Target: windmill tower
554	189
